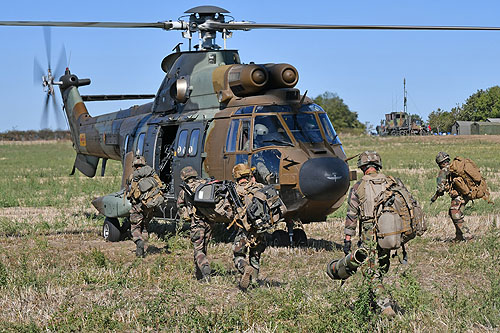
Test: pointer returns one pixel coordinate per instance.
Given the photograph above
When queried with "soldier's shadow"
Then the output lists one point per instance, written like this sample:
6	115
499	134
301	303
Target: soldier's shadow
323	244
151	250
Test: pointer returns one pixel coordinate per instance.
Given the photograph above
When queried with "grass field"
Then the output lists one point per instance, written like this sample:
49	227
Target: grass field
57	273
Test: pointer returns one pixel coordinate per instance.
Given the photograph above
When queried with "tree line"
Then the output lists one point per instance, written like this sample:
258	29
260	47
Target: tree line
479	106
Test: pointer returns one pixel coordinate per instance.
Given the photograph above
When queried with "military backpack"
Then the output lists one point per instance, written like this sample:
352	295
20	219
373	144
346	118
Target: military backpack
466	179
398	216
146	187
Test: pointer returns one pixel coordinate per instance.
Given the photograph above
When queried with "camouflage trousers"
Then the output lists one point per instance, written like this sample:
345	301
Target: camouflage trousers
201	233
368	241
139	220
456	213
250	242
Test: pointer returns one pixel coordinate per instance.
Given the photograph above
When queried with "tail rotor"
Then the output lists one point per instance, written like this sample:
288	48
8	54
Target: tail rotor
48	78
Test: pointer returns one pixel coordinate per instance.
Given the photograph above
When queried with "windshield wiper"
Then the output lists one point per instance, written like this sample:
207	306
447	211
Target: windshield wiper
286	143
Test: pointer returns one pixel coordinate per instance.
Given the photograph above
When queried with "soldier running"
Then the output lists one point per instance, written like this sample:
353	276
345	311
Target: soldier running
145	194
247	238
201	227
457	206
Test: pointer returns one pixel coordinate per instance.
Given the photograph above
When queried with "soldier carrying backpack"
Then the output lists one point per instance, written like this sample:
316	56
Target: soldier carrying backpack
463	181
387	216
144	191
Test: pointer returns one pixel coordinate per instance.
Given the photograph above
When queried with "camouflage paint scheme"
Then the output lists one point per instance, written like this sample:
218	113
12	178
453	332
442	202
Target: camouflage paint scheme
206	90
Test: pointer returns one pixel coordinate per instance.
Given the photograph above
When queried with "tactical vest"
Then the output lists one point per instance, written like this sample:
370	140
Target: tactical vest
466	179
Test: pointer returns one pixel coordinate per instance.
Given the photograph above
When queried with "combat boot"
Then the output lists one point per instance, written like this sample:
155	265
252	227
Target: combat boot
246	277
206	272
139	249
459	234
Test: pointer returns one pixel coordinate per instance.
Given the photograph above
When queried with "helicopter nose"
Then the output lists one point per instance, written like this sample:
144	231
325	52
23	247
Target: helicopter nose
324	178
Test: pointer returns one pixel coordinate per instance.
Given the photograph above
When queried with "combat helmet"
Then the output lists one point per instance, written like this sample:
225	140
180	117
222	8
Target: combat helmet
442	157
241	170
369	157
139	161
188	172
261	129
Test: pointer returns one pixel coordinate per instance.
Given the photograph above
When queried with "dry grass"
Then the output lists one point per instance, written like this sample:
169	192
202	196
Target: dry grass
57	274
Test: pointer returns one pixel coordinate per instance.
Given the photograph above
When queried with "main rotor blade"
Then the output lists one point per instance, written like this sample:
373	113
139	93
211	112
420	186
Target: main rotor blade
162	25
48	44
248	26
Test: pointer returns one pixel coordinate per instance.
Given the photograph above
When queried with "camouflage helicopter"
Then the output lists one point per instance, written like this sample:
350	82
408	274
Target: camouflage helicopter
212	112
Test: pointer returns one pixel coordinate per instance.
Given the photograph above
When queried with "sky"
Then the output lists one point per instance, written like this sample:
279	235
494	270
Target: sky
365	68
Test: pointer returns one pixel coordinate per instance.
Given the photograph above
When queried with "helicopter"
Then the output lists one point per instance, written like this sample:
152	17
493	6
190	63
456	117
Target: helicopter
212	112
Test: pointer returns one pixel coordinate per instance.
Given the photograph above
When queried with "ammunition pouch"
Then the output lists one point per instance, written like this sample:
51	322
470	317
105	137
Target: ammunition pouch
342	269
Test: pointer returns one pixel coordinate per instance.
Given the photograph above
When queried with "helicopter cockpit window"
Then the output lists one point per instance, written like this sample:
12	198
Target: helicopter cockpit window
331	135
304	127
244	142
268	131
311	107
245	110
273	108
232	135
140	144
193	142
125	145
181	143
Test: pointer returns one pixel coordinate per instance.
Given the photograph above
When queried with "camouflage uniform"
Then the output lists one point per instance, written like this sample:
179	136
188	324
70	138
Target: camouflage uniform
457	205
201	227
370	163
140	214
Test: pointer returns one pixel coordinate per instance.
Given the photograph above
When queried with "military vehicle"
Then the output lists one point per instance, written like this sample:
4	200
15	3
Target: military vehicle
401	123
211	112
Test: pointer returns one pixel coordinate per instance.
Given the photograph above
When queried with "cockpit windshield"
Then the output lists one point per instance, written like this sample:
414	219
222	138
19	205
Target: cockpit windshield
304	127
268	131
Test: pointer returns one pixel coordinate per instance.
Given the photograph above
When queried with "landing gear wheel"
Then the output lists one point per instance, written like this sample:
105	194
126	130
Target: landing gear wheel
111	229
280	238
299	237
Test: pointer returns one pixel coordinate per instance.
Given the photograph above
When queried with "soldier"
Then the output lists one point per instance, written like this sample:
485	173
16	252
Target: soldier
361	203
247	238
144	193
444	184
201	227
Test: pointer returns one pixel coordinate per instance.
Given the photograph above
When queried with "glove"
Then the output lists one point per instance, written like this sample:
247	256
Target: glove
347	247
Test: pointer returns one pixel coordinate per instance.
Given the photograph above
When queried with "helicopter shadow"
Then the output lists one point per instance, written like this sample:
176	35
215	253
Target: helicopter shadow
323	244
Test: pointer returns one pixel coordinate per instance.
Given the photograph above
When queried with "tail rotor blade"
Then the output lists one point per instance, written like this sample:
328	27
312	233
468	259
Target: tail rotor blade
38	72
57	113
45	113
62	63
48	41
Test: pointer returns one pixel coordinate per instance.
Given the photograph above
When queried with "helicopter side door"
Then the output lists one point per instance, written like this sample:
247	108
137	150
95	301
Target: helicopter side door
188	150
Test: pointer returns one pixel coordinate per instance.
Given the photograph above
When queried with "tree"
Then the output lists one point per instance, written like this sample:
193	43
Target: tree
441	121
482	105
338	112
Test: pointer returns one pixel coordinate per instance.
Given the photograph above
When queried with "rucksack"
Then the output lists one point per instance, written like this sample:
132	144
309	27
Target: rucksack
467	180
265	209
398	216
146	187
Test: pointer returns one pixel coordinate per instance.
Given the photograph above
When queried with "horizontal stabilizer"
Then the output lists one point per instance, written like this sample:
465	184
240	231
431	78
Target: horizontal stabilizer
86	164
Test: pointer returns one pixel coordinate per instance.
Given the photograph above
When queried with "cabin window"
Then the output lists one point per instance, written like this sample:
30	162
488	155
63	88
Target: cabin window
311	107
140	144
304	127
181	143
244	142
268	131
267	165
232	136
331	135
193	142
